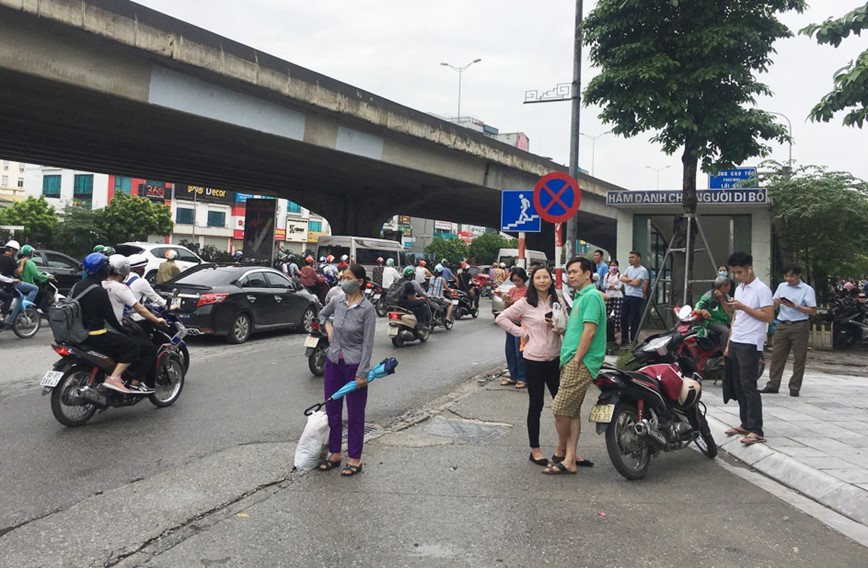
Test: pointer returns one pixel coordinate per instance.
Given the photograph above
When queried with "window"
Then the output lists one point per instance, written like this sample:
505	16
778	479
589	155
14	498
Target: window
123	184
255	280
5	165
51	186
38	260
216	218
315	226
82	187
20	167
369	256
184	216
20	182
276	280
292	207
186	256
4	181
58	261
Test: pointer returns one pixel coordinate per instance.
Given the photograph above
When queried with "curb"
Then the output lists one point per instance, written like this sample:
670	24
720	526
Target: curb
841	497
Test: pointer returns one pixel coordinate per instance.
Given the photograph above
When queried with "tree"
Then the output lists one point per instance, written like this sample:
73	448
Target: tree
38	218
79	231
484	248
453	250
685	70
821	219
133	218
851	81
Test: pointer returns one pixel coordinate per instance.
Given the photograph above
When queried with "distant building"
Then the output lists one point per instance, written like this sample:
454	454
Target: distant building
11	182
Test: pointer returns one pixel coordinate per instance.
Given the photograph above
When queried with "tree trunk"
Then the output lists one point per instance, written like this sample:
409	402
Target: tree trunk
680	228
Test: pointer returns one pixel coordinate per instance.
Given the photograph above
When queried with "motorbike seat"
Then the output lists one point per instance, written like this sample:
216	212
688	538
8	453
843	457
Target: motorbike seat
102	361
667	377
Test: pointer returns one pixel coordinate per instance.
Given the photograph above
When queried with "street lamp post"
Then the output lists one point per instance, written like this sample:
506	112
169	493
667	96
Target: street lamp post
790	141
460	70
658	170
594	145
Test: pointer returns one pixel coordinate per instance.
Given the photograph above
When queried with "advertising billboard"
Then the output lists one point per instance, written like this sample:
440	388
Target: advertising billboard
259	230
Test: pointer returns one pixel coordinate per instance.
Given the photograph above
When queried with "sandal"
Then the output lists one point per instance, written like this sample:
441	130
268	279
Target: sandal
351	470
738	430
752	439
580	463
328	465
507	382
557	469
520	385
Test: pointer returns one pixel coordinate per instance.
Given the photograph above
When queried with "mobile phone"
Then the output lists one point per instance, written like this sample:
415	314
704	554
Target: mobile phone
549	315
787	301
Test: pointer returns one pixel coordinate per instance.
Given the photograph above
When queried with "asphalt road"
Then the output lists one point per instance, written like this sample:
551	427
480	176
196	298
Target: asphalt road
234	395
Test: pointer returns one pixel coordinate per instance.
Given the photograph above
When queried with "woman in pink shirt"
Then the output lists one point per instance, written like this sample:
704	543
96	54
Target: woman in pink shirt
542	348
514	362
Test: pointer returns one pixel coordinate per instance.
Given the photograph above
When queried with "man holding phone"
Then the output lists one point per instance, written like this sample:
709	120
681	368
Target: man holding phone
797	302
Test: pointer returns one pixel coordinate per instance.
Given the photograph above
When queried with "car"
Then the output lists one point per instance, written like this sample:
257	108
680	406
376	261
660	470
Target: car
156	255
65	269
237	301
497	305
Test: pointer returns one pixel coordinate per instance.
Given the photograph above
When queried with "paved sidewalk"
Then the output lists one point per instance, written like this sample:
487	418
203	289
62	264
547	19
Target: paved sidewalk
817	442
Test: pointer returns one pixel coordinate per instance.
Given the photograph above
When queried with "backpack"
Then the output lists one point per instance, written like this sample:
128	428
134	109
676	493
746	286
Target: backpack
64	317
397	293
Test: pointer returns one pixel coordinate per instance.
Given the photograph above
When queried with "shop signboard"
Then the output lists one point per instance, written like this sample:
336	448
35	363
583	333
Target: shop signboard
296	231
154	190
209	194
259	233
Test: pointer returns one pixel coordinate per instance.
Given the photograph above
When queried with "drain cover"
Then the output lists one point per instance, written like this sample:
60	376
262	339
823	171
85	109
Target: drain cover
369	429
470	431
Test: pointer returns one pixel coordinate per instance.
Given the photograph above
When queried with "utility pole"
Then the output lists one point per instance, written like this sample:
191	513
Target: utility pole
572	227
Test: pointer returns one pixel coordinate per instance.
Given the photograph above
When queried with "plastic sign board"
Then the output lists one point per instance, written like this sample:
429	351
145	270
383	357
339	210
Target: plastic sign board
557	197
673	198
733	179
517	212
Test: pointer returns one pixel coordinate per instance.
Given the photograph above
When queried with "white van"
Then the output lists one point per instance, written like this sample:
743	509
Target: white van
510	257
362	250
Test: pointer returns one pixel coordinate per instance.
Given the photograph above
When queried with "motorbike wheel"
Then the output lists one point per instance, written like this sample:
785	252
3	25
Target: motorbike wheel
448	323
316	361
382	308
185	359
423	334
705	441
397	341
629	454
475	313
169	383
458	313
844	337
71	415
28	322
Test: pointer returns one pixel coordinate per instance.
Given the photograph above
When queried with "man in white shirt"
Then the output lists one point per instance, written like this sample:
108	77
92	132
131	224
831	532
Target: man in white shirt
635	280
797	302
754	310
140	286
390	274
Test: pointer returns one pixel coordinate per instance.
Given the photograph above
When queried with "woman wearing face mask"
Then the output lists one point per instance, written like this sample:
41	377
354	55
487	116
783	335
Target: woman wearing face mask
613	289
351	342
722	271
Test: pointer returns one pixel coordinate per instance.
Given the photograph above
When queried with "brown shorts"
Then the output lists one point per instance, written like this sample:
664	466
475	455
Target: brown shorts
575	380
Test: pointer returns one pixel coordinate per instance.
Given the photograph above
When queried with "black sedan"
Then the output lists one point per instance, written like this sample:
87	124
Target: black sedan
236	301
65	269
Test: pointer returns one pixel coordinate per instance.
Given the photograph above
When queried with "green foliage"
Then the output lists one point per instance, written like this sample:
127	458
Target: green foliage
483	249
38	218
133	218
453	250
79	230
208	253
821	218
851	81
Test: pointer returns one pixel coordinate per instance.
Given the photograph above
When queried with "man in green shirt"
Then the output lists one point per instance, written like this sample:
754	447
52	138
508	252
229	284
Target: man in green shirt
715	310
29	272
582	354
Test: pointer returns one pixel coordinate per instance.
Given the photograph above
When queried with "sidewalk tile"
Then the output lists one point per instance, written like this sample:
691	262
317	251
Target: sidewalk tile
824	463
798	451
824	443
856	475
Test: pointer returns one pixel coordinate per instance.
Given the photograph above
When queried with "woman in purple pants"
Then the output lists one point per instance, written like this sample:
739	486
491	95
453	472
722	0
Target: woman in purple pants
350	320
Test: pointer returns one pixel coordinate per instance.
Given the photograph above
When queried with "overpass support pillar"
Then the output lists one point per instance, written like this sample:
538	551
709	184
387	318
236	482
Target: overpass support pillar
356	217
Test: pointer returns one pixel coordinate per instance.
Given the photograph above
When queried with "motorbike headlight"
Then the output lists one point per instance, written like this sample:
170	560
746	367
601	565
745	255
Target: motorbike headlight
658	344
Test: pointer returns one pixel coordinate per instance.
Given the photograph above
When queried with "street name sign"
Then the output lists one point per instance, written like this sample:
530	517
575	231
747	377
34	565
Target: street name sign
703	197
734	178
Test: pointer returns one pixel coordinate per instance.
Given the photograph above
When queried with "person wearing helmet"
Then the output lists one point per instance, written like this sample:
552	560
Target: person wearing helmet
441	292
423	275
390	274
108	251
447	272
140	287
345	259
168	269
499	274
331	271
292	269
313	281
412	296
10	270
377	275
8	281
29	273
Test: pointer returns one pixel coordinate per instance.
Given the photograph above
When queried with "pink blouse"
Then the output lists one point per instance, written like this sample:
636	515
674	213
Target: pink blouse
543	343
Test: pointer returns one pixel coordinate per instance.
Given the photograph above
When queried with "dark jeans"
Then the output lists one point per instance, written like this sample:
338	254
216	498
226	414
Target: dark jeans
139	353
631	312
5	301
540	374
722	332
422	313
514	359
744	360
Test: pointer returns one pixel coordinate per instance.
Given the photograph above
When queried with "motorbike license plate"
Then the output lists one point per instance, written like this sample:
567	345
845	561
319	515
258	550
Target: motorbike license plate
175	304
377	296
51	379
602	413
454	302
393	331
311	341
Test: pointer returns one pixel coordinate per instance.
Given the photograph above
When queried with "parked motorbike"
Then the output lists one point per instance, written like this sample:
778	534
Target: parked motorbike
465	305
315	346
403	327
652	410
850	323
75	381
685	339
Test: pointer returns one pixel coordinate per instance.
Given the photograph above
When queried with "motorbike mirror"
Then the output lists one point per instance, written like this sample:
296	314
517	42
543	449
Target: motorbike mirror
684	312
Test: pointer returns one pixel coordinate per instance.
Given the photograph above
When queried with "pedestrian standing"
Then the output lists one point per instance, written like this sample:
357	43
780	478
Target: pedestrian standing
797	302
351	342
635	280
613	289
514	360
754	309
582	354
601	267
542	348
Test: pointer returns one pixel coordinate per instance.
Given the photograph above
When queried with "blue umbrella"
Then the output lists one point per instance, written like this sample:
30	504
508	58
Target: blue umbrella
385	368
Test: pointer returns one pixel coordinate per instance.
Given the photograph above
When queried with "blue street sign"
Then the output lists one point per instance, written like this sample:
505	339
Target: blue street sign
743	178
517	212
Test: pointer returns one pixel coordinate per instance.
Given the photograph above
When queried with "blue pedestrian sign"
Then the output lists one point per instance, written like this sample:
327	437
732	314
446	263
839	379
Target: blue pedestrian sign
517	212
741	178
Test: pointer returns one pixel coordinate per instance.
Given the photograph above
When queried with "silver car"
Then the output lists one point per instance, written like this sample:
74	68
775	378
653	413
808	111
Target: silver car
497	297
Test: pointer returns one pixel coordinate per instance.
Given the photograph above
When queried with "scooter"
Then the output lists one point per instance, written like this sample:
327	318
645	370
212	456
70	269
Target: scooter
464	304
315	346
850	325
29	320
377	296
403	327
438	315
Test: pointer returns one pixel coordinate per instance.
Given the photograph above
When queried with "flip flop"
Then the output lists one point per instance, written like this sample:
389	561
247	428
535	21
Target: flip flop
520	385
507	382
328	465
752	439
557	469
351	470
738	430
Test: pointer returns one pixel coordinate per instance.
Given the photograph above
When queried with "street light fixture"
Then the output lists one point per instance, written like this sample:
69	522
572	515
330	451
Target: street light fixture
658	170
460	70
790	141
594	145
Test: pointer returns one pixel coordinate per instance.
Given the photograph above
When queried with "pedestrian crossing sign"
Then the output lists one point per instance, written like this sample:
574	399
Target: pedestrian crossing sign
517	212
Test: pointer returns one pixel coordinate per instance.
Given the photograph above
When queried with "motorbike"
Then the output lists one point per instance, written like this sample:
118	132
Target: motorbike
464	304
315	346
850	323
652	410
377	296
29	320
159	335
685	339
438	315
75	381
403	327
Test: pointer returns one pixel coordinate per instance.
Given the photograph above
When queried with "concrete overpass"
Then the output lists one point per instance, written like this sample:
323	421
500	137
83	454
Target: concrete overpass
111	86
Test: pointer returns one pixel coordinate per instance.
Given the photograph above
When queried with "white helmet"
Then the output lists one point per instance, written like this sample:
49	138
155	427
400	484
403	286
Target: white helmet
171	254
691	390
344	258
13	245
138	261
119	264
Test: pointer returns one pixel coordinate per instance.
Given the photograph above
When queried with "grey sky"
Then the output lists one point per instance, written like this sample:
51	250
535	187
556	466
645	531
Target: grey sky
394	48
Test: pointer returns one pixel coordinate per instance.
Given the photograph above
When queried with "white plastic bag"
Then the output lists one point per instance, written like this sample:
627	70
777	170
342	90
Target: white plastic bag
314	436
559	318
